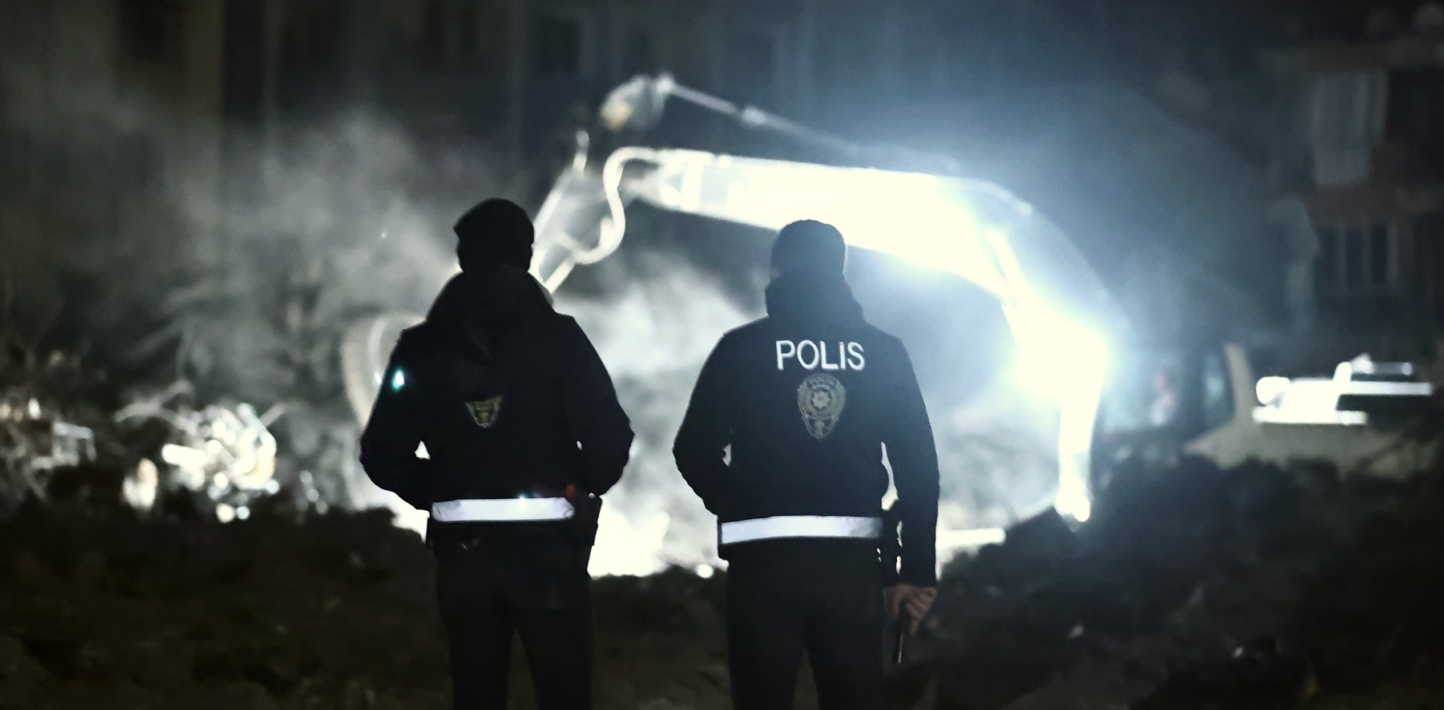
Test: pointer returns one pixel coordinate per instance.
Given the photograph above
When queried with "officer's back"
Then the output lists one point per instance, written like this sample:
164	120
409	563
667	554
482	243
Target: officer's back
814	392
806	398
521	423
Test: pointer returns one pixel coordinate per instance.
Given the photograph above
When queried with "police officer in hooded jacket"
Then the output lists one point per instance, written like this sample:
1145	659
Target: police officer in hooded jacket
807	398
522	425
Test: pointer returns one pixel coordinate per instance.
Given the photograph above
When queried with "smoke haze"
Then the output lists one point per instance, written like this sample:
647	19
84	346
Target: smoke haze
243	282
654	327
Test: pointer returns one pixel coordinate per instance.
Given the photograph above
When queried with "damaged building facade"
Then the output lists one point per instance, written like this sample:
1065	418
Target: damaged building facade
512	79
181	101
1362	209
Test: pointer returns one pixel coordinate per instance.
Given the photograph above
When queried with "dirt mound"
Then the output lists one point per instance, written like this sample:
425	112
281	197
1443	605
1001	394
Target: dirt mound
1196	587
335	610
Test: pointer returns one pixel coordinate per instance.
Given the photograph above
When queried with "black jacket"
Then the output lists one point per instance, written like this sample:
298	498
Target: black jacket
806	398
509	397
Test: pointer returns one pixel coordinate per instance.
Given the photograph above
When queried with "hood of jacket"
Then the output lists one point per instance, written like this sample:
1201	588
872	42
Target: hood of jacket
477	305
812	297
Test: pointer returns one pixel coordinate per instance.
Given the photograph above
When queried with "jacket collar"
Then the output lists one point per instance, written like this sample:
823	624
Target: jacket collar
473	305
812	296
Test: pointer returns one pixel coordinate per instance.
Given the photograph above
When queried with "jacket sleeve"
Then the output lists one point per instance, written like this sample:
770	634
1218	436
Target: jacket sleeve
914	459
594	416
395	430
706	431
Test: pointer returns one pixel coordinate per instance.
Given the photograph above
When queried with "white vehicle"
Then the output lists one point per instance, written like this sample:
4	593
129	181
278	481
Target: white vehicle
1369	418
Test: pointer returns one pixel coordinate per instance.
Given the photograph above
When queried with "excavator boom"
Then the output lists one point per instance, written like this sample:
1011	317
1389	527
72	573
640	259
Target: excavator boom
1053	300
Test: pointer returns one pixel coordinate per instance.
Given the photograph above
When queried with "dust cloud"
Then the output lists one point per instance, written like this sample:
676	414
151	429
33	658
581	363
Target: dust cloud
308	228
654	325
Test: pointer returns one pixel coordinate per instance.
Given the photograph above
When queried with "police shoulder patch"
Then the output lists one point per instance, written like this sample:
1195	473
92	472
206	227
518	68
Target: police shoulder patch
485	412
821	399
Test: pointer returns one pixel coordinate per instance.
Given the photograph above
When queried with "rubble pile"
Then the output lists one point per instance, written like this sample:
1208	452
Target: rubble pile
324	611
224	456
54	430
66	432
1195	587
35	442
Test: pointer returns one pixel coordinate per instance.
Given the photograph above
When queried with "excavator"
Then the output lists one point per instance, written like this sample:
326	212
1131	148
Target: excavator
1067	327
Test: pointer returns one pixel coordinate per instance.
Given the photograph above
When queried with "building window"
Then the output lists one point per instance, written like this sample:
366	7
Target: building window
557	46
17	159
1379	253
1429	236
467	40
1353	259
152	31
431	45
1347	121
244	64
1357	261
312	38
1327	267
1416	118
323	33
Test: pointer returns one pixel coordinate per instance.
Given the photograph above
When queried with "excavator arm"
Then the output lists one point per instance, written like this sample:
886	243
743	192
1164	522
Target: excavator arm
1054	302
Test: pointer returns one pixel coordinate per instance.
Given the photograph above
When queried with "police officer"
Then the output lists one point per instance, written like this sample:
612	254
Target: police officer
522	424
806	398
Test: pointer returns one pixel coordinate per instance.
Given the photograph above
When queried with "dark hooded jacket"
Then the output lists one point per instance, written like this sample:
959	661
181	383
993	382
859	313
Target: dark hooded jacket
508	396
807	422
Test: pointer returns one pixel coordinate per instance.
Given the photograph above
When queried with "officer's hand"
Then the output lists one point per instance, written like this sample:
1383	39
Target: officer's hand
914	601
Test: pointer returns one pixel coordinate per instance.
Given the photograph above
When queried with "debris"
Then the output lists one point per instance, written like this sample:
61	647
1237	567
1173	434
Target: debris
139	488
228	454
35	440
1195	587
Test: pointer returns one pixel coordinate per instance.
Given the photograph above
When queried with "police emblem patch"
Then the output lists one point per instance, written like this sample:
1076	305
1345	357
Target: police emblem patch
821	399
484	413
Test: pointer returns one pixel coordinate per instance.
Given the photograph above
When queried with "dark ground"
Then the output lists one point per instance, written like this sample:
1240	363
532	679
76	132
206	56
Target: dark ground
1195	588
1190	588
332	611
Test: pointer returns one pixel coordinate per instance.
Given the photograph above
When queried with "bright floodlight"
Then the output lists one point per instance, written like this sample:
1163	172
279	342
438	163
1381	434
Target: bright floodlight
1053	300
637	104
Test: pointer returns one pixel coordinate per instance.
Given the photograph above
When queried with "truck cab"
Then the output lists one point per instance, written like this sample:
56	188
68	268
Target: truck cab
1367	418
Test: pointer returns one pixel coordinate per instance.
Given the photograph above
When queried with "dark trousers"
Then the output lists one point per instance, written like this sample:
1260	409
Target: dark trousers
824	596
525	579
